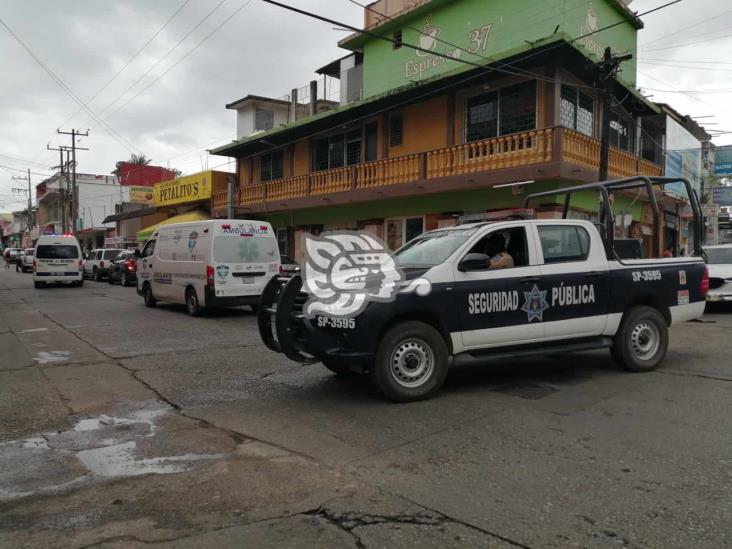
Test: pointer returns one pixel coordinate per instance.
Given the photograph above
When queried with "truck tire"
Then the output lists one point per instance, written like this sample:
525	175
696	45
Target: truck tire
192	306
411	362
147	295
123	280
642	340
38	284
338	367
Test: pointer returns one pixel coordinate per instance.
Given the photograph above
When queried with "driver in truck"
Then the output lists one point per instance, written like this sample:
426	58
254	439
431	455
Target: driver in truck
496	247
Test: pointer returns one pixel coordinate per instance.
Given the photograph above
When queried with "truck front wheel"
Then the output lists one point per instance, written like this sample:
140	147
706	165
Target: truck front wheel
411	362
642	340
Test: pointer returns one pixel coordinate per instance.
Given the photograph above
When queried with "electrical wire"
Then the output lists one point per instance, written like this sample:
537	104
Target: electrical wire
106	127
686	28
129	62
161	59
189	52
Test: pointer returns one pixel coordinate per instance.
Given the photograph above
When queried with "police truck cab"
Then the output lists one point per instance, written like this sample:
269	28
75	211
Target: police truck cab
564	290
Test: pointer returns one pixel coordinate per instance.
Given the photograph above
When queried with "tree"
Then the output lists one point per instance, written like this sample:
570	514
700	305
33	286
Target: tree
139	159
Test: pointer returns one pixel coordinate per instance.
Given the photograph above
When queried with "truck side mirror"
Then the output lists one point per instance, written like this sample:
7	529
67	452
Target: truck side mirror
474	262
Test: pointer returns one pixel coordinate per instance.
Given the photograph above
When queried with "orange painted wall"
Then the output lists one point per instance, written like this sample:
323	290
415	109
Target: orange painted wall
425	127
302	157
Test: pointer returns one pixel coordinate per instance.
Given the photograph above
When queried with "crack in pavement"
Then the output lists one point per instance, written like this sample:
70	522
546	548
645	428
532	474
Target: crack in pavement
700	376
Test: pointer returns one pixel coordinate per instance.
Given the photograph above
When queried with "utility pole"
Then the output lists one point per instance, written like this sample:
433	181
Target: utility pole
63	189
607	70
28	192
74	190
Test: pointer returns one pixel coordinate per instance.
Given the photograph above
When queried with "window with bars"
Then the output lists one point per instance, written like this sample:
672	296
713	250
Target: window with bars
396	130
577	111
338	150
271	166
263	120
397	41
621	132
509	110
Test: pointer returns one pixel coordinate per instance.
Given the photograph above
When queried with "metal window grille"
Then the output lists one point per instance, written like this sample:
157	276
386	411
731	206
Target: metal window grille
397	43
577	111
271	166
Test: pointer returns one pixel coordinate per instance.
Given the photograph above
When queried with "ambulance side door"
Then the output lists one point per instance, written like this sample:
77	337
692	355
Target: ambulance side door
495	306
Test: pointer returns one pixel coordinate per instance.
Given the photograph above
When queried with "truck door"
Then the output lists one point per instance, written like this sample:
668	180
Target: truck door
502	306
575	275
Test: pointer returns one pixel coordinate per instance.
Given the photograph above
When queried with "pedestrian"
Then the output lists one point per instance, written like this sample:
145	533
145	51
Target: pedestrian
7	259
18	263
682	253
669	251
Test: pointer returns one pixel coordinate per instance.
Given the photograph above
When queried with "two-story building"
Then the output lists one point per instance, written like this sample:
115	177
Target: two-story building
499	99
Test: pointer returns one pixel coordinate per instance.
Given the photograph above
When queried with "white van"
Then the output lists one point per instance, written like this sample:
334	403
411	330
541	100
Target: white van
205	264
58	259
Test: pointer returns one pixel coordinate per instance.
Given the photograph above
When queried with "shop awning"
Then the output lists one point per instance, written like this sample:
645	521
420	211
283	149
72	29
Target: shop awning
131	214
195	215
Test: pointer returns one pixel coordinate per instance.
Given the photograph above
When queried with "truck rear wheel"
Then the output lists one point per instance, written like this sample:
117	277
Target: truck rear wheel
411	362
642	340
192	306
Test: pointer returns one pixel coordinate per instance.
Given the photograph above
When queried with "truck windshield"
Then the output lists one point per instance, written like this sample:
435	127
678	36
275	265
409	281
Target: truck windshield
237	249
432	248
57	251
719	256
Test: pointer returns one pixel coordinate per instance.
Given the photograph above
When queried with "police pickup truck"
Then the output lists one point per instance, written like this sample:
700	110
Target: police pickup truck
568	290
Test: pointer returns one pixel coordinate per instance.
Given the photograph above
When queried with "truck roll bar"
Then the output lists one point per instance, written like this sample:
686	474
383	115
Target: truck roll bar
607	217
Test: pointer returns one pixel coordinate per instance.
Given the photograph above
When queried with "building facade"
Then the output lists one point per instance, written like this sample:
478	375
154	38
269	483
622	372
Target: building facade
500	99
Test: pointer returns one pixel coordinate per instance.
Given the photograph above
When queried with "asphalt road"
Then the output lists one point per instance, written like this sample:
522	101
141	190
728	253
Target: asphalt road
122	426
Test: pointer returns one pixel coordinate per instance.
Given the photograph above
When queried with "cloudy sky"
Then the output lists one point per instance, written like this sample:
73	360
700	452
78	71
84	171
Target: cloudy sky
168	102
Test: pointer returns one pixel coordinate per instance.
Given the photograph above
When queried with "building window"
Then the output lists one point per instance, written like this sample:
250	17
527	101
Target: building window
401	231
396	130
271	166
509	110
621	132
397	41
577	111
338	150
263	120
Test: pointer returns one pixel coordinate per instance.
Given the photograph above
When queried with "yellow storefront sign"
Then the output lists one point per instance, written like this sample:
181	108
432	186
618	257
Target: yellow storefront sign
190	188
142	195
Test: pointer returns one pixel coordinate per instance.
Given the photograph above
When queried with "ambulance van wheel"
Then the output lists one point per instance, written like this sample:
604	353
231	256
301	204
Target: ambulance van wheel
642	340
192	306
411	362
38	284
147	295
336	366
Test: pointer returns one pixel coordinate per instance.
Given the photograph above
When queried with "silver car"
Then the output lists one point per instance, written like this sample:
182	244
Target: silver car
25	259
719	264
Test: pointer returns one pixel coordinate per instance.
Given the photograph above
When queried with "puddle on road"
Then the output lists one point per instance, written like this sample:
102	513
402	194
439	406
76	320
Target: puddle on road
54	356
101	447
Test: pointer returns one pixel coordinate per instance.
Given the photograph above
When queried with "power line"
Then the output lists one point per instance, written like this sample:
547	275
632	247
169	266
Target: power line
685	44
137	53
163	58
65	87
189	52
687	67
687	28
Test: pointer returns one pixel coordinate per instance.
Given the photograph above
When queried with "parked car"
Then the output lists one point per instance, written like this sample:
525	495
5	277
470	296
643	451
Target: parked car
25	259
289	266
58	259
719	263
124	269
204	264
11	253
97	262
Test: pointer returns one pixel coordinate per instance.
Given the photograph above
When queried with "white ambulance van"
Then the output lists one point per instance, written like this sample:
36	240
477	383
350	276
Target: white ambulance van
208	264
58	259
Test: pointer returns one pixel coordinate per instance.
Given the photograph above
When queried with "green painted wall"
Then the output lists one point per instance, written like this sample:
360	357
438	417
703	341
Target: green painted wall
496	29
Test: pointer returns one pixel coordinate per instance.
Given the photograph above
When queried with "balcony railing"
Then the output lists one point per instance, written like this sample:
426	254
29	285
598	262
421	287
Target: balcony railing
509	151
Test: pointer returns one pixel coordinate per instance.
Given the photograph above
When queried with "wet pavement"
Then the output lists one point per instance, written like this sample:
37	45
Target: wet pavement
122	426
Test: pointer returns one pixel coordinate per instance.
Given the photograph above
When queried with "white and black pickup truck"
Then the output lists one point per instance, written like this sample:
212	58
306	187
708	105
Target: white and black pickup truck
567	291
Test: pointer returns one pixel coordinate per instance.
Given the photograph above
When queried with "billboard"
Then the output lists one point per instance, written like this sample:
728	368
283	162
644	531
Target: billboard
723	160
190	188
723	196
142	195
683	157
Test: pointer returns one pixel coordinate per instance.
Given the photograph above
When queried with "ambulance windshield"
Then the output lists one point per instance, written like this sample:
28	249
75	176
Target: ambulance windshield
432	248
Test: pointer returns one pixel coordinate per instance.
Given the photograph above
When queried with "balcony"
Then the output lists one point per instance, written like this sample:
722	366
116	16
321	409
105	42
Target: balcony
548	154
